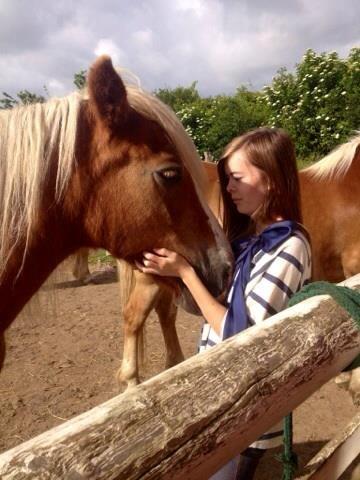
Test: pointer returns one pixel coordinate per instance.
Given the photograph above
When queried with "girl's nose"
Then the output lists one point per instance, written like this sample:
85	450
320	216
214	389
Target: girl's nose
229	185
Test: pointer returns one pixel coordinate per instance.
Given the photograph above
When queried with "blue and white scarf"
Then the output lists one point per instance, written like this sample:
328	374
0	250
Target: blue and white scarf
244	251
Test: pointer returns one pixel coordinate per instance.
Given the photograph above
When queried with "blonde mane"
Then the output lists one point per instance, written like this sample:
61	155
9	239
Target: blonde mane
337	163
32	137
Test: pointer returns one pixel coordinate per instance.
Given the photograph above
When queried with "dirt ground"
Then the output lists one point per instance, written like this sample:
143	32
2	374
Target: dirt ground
58	366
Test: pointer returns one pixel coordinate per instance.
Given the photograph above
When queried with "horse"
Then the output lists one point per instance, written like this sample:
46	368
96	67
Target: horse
330	203
109	168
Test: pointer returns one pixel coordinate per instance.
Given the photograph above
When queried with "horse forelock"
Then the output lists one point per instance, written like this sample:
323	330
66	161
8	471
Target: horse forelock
154	109
337	163
32	137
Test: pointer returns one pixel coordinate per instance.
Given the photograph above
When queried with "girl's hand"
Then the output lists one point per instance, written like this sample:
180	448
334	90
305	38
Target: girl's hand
165	263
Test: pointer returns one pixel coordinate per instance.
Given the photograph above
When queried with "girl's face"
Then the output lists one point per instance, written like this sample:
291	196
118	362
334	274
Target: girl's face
247	184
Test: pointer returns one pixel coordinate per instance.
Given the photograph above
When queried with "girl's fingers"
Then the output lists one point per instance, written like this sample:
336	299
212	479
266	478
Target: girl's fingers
149	263
146	263
144	269
139	265
164	252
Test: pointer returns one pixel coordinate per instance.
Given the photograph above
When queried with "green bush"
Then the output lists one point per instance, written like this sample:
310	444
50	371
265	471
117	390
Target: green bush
319	103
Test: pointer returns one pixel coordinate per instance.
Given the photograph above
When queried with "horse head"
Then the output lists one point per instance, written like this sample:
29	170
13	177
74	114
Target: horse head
138	180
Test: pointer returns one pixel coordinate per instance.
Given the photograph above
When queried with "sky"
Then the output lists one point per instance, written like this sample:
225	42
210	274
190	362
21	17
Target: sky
221	44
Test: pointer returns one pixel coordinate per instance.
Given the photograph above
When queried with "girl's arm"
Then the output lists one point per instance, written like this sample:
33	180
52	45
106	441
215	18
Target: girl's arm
170	264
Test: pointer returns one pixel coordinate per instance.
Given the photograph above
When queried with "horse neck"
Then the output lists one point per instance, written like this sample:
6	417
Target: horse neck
23	276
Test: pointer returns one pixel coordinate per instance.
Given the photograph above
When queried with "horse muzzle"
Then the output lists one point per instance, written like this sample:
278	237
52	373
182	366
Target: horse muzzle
215	271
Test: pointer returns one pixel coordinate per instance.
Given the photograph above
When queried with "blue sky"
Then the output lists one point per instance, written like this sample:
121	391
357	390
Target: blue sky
220	43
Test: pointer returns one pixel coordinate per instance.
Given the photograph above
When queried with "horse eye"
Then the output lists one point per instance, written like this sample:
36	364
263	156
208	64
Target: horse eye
168	175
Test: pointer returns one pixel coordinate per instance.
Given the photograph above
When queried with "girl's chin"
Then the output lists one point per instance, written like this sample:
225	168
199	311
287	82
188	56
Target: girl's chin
241	210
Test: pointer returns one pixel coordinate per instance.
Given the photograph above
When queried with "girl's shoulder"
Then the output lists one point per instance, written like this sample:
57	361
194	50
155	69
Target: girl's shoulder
297	245
298	241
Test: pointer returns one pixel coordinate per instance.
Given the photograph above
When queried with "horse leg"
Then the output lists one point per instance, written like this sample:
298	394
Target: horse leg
141	301
81	266
166	311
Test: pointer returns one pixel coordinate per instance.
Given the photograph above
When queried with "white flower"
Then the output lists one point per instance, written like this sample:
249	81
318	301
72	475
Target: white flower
343	92
336	135
327	118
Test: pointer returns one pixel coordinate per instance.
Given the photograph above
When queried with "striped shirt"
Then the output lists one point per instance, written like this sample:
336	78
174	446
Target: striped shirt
274	277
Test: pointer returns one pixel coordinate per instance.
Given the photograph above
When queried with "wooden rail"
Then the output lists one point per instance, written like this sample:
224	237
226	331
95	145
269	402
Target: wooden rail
334	458
188	421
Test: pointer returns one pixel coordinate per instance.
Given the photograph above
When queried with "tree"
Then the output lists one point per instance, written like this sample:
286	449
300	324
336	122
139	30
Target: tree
178	97
80	79
212	122
24	97
319	103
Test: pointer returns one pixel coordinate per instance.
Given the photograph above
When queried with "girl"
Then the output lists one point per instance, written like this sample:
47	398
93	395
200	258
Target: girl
262	219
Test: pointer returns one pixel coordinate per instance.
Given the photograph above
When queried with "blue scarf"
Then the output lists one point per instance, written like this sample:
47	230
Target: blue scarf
244	252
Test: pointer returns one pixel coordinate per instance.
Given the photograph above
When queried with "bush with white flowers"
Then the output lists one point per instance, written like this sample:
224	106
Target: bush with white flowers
319	104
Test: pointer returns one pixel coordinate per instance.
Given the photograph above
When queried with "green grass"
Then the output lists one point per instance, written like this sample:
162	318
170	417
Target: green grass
101	256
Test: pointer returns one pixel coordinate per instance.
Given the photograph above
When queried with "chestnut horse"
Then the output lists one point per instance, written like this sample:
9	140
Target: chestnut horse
111	168
330	194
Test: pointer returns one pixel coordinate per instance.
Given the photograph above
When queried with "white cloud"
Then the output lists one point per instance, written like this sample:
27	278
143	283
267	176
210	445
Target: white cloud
106	46
56	88
220	43
196	6
143	38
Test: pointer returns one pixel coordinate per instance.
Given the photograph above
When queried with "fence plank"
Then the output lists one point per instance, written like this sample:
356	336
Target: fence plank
334	458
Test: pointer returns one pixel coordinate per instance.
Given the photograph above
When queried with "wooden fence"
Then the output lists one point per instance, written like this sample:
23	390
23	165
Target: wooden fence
188	421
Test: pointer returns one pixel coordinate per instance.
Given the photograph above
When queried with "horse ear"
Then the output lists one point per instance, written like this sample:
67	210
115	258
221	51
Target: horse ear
107	93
